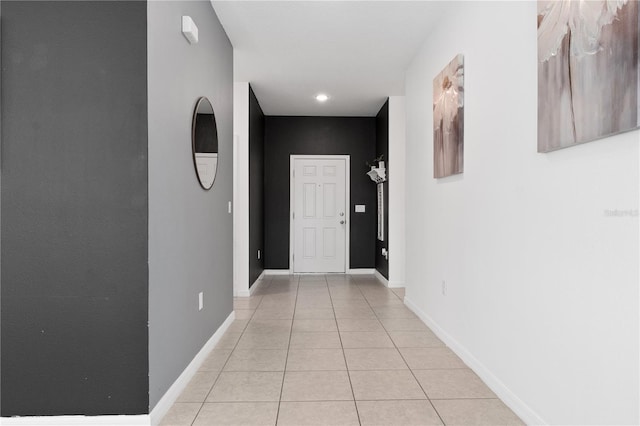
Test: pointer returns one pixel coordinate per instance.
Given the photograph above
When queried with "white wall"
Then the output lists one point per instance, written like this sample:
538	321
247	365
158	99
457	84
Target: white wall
541	286
241	189
397	185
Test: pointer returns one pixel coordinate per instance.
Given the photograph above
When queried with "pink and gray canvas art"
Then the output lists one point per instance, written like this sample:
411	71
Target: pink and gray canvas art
448	119
588	74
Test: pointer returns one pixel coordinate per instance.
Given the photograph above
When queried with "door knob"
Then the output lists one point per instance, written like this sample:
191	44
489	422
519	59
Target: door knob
342	222
341	213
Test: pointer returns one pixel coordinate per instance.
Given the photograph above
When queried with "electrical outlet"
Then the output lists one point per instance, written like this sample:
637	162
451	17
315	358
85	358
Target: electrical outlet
200	301
258	254
444	288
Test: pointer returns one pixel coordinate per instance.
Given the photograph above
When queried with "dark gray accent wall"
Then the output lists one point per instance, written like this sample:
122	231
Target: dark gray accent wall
190	229
285	136
74	208
256	188
382	148
0	207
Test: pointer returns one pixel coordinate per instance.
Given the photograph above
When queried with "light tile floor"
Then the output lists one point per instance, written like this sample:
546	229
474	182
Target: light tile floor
333	350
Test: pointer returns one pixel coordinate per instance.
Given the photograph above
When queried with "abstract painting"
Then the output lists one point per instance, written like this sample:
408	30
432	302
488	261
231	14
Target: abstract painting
448	119
588	73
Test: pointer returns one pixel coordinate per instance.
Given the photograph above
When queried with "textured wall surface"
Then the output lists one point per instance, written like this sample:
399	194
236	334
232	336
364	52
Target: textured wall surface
74	208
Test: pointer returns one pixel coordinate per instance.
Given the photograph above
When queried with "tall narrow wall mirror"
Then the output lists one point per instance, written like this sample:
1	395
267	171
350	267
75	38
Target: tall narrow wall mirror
204	143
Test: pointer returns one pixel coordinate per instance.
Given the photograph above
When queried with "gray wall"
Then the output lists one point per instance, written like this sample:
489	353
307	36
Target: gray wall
382	148
256	188
190	230
74	208
284	136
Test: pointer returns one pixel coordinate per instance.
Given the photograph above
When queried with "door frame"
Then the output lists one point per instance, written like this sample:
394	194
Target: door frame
347	196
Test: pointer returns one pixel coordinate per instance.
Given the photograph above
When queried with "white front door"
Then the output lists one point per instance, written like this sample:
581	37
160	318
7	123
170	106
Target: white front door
319	214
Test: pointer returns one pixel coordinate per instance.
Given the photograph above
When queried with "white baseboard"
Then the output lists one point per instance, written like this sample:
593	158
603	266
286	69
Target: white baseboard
135	420
257	283
396	284
356	271
171	395
381	278
386	282
362	271
248	292
277	272
512	401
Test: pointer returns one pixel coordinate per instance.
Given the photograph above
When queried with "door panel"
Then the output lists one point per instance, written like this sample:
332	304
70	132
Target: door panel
329	200
319	216
309	211
329	239
329	170
309	244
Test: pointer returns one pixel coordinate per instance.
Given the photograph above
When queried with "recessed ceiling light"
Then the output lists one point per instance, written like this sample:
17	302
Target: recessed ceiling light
321	97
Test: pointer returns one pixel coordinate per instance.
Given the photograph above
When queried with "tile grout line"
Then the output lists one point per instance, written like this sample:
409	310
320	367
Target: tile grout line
214	382
284	373
366	290
244	330
225	363
403	359
355	403
407	364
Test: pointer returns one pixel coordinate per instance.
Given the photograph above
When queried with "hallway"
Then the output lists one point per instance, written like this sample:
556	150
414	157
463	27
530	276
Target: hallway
332	350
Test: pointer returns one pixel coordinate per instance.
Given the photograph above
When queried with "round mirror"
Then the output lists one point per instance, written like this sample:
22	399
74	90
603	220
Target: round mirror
204	143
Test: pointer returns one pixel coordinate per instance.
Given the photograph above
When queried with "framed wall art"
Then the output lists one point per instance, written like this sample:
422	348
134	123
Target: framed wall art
588	72
448	119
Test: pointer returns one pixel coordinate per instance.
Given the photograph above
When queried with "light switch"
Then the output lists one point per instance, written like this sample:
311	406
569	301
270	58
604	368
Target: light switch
360	208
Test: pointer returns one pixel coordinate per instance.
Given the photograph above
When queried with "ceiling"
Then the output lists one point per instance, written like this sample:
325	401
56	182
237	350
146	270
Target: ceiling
354	51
